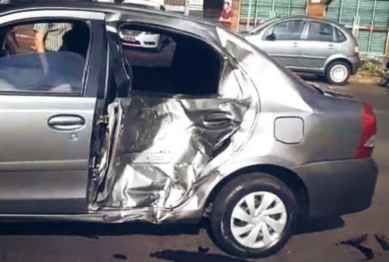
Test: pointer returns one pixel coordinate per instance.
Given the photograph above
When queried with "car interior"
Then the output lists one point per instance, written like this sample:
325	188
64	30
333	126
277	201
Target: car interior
76	40
18	55
191	66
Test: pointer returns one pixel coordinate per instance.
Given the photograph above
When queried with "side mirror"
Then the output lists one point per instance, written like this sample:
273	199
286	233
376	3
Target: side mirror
271	37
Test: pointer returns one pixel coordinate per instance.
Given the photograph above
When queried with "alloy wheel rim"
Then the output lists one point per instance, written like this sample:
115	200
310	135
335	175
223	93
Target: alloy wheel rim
258	220
339	73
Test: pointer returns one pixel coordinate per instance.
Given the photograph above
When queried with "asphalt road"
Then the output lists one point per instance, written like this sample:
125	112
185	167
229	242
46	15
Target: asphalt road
316	241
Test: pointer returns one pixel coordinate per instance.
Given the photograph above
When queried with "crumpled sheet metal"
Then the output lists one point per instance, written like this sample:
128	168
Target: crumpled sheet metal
162	145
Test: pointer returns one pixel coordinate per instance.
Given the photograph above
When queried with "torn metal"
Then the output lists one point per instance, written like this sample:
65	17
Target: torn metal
161	146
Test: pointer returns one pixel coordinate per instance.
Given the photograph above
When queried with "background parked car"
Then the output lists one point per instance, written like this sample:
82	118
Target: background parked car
309	45
138	38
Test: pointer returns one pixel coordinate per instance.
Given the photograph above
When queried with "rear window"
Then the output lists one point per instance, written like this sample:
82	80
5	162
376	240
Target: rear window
261	26
340	37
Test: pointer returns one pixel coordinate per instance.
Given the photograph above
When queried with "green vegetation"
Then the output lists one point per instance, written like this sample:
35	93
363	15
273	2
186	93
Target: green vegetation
370	68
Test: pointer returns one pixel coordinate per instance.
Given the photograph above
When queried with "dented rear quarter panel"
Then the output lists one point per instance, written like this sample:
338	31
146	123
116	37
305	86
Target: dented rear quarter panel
326	126
331	122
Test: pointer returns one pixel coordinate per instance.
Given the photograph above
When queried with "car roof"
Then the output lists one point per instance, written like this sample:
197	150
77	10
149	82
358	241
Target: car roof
310	18
141	2
101	7
117	12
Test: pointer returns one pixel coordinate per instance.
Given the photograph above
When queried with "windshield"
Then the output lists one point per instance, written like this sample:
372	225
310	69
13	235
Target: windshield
261	26
141	6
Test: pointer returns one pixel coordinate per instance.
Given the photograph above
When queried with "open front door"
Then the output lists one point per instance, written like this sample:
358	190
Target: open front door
47	115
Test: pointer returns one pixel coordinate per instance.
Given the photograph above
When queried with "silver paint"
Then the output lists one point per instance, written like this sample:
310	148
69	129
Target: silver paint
159	170
295	127
304	54
161	147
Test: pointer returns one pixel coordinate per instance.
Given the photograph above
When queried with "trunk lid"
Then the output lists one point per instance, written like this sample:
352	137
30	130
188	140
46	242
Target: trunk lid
326	91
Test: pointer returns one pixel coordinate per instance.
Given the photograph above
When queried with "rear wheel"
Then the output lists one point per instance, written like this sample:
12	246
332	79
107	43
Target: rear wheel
253	216
338	73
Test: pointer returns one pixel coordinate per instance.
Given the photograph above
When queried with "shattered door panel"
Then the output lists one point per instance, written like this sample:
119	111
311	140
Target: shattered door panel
161	147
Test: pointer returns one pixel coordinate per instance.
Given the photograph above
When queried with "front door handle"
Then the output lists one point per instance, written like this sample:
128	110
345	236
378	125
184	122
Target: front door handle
66	122
295	45
217	119
330	46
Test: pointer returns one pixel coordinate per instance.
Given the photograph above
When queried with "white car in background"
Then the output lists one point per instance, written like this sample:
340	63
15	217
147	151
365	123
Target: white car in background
141	39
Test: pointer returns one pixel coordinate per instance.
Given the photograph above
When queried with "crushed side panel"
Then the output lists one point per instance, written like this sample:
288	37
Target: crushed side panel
162	146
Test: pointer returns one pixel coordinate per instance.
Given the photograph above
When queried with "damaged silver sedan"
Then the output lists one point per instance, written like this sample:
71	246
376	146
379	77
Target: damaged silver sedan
206	126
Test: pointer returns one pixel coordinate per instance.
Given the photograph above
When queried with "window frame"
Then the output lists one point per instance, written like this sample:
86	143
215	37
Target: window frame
337	35
25	17
271	28
318	40
151	26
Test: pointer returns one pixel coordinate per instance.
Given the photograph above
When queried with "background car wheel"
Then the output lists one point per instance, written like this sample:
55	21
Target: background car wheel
338	73
253	216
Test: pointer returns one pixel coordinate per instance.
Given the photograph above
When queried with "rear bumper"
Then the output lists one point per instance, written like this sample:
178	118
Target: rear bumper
339	187
355	64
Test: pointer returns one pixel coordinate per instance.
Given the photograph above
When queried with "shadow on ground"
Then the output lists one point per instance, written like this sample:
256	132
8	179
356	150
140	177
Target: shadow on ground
181	256
310	226
94	230
319	225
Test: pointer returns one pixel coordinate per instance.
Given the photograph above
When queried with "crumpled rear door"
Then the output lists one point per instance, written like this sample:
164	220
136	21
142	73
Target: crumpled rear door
162	145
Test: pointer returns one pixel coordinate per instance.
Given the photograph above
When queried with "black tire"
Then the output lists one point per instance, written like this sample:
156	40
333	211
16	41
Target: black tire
383	82
231	194
331	66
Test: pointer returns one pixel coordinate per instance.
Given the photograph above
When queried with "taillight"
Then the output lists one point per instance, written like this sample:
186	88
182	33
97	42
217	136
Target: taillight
369	129
356	49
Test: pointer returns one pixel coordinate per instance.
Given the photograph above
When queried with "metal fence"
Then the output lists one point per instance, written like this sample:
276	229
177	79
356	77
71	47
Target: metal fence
253	11
368	20
174	2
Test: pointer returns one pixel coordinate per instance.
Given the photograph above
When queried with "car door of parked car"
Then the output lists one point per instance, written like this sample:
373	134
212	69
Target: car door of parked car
281	41
318	45
47	118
